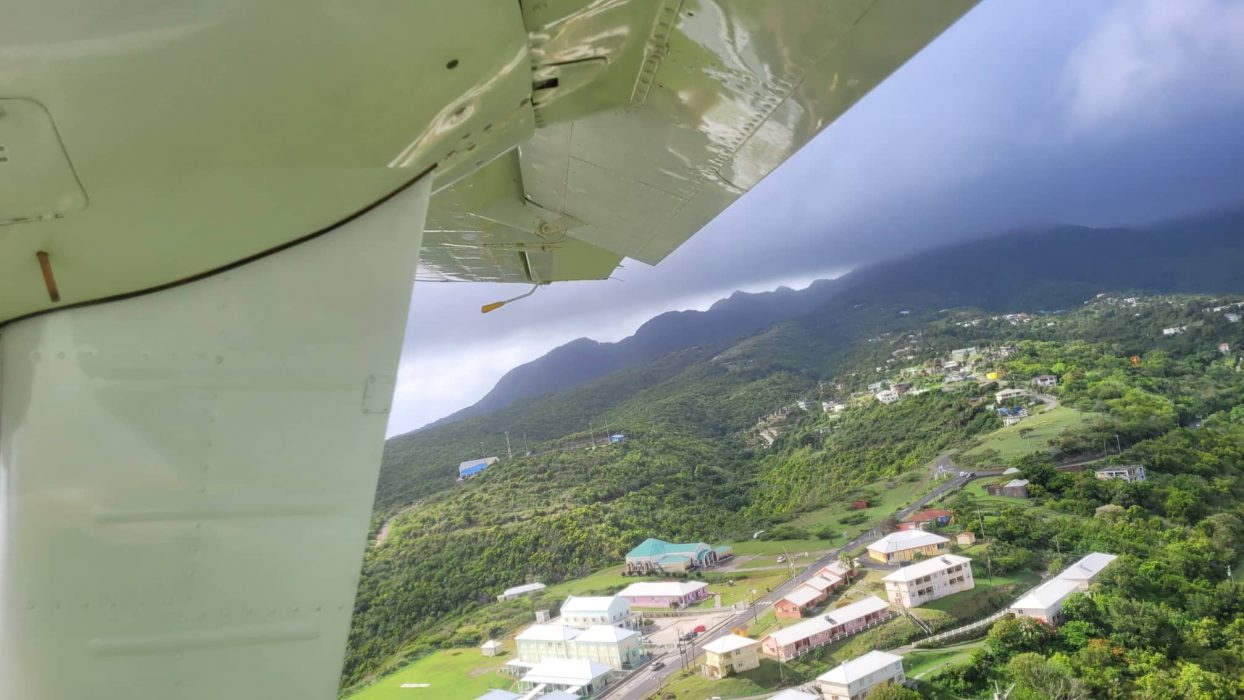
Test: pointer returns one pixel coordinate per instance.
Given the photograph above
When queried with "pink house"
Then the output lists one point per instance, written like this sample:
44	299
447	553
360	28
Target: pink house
664	594
832	625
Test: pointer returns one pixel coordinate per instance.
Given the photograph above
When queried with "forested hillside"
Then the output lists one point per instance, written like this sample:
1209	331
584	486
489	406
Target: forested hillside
692	466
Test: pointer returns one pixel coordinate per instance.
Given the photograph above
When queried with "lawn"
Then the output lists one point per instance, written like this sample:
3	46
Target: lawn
884	498
603	582
1045	426
769	676
922	662
738	586
989	595
451	674
776	548
976	489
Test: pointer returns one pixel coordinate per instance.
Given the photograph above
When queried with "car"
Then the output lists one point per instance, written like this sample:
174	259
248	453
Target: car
781	559
699	629
657	665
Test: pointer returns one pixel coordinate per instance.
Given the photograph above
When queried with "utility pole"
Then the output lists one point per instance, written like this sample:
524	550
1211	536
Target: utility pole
526	447
591	430
1118	443
482	452
508	451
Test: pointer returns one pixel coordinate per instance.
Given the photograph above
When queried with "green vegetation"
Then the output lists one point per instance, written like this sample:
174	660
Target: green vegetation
771	674
450	674
1164	617
1034	434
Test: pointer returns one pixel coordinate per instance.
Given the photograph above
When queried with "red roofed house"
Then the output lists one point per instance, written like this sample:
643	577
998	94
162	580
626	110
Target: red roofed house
926	518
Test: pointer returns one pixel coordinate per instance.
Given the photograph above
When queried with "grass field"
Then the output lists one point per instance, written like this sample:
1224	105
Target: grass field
602	582
1045	426
742	586
922	662
451	674
886	497
977	490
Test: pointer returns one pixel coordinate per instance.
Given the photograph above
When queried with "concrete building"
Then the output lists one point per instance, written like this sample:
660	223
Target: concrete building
1125	472
1010	394
798	603
658	555
664	594
1015	488
615	647
826	628
887	396
578	676
966	538
919	583
1045	602
853	679
519	591
730	654
1045	381
491	648
906	544
471	467
585	611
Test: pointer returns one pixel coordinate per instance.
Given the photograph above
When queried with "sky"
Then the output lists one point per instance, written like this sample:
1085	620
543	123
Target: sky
1023	114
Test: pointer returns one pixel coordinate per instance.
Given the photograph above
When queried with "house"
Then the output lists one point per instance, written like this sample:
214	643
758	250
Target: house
875	387
519	591
965	538
854	679
1008	421
888	396
730	654
578	676
1173	330
833	406
1045	601
824	582
917	584
615	647
797	603
1125	472
585	611
769	436
471	467
926	518
1232	317
904	545
963	353
1015	488
491	648
658	555
1010	394
829	627
616	438
1044	381
665	594
1224	348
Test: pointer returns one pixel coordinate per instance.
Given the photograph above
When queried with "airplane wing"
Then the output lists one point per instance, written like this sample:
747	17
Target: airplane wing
210	219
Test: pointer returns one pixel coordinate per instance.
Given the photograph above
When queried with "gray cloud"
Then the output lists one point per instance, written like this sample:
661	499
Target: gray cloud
1026	112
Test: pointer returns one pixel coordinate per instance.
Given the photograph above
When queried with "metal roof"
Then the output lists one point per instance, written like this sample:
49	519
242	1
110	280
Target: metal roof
927	567
860	667
729	643
605	633
906	539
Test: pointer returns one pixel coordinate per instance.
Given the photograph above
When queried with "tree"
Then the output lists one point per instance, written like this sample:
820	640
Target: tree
1038	678
889	691
1017	635
1183	506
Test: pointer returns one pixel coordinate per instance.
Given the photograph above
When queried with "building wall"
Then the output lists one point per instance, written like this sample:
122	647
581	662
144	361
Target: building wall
912	594
859	689
737	661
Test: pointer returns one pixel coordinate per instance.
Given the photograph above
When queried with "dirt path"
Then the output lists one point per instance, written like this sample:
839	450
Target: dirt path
383	535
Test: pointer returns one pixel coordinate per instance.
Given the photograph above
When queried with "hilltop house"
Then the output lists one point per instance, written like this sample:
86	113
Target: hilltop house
665	594
887	396
854	679
1126	472
1015	488
1044	381
1173	330
519	591
829	627
1045	602
795	694
730	654
1009	394
471	467
658	555
585	611
965	538
925	519
904	545
917	584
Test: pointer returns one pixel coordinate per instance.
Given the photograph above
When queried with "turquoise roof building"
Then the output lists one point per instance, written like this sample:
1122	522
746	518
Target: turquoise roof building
658	555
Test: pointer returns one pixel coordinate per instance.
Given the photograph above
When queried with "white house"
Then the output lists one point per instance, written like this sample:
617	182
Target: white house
578	676
1125	472
1045	381
616	647
1045	602
1173	330
917	584
1008	394
471	467
853	679
519	591
887	396
585	611
491	648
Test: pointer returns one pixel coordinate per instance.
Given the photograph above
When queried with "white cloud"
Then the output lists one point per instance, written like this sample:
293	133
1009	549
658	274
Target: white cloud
1151	60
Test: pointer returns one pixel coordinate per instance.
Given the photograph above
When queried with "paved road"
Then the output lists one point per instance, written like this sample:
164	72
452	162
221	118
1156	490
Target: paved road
645	682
